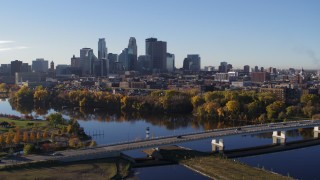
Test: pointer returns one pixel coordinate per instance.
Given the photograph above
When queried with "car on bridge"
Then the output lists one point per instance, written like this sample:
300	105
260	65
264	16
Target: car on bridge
56	154
179	137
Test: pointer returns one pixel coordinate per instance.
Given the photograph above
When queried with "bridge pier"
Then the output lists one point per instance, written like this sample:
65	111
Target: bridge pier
279	138
316	132
147	133
217	145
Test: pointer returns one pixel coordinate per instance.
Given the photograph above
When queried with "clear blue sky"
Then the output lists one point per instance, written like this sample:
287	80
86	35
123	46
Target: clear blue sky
277	33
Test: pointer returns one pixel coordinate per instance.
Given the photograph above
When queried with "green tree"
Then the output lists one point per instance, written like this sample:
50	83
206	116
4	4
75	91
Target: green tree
253	109
274	109
293	111
309	110
40	94
28	148
233	106
309	98
3	87
93	144
266	98
197	101
24	95
55	119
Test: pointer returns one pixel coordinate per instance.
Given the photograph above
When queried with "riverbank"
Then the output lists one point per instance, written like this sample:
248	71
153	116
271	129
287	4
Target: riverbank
217	167
96	169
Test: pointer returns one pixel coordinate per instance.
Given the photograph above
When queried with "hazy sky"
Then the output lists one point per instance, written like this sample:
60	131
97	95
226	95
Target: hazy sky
277	33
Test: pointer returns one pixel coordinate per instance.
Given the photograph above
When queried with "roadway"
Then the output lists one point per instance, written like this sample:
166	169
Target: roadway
103	150
217	133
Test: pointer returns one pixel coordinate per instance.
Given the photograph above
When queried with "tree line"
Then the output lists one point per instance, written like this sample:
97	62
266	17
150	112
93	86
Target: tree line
217	105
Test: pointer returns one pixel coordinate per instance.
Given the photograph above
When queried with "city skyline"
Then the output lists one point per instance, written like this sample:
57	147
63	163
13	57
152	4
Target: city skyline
271	33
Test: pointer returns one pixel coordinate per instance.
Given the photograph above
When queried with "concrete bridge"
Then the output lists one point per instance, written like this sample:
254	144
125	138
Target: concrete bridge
278	129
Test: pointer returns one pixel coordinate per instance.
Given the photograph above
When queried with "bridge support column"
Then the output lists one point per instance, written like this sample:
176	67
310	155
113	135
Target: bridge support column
217	145
147	133
279	138
316	132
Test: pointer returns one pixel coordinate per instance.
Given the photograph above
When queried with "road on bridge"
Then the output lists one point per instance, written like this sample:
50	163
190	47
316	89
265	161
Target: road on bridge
156	142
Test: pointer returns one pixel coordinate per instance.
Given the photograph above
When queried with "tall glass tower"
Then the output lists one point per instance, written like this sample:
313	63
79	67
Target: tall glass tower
102	49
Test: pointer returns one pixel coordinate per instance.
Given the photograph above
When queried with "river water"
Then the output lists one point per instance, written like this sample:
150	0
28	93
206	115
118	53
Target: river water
108	129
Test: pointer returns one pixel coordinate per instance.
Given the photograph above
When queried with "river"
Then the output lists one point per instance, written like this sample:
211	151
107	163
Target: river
107	129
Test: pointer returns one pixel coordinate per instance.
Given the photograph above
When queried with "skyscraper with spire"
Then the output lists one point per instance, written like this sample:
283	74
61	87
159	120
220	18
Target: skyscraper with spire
103	62
132	53
102	49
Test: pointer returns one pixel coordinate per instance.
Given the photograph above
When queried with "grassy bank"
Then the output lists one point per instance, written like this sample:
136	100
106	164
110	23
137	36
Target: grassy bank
23	123
97	169
217	167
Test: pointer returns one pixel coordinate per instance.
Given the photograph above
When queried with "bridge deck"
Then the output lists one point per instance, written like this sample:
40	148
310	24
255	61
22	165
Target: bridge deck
217	133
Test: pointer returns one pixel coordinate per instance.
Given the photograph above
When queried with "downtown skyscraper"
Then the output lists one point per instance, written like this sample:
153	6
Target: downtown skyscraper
101	66
157	52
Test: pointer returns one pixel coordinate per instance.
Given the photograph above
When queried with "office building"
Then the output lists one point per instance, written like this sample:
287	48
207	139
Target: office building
75	62
124	60
132	54
112	58
15	67
223	68
194	62
102	49
170	62
40	65
87	59
157	50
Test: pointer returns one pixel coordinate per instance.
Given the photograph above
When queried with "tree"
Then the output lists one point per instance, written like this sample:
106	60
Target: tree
309	111
69	128
32	136
253	109
3	87
93	144
28	148
233	106
45	135
293	111
55	119
25	137
262	118
2	140
40	94
24	95
274	109
210	109
197	101
309	98
38	136
8	139
266	98
16	138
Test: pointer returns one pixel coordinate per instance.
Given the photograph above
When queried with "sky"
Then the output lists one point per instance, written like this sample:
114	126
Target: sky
268	33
